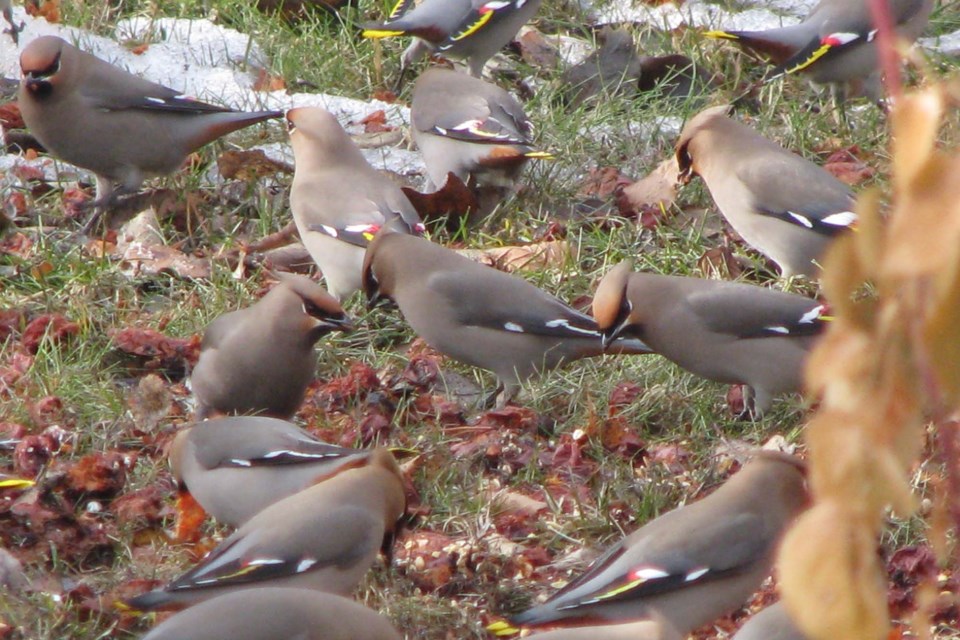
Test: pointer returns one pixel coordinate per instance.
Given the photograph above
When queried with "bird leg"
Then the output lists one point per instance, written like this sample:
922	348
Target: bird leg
14	29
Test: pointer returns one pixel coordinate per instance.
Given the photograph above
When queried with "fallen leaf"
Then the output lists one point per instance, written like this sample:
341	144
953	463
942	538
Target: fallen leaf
657	190
376	122
601	182
452	202
535	257
156	350
10	117
51	328
249	164
100	475
266	81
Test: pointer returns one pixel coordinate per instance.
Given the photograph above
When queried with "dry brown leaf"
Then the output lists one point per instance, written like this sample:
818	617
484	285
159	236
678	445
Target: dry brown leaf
451	202
658	188
532	257
249	164
267	81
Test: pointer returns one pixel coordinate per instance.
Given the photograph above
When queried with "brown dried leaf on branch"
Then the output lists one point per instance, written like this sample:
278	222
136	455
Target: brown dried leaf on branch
886	364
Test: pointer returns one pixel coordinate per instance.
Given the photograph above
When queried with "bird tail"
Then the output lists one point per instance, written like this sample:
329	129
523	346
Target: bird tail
377	31
150	601
502	628
722	35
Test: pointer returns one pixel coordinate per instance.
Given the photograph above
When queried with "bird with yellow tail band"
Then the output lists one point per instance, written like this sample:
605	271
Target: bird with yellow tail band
469	30
687	567
835	44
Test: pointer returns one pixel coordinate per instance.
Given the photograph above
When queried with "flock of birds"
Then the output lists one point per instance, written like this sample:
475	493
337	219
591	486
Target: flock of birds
310	518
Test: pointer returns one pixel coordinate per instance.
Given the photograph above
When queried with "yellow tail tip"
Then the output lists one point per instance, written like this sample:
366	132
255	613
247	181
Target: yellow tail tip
543	155
721	34
123	607
381	33
16	483
502	628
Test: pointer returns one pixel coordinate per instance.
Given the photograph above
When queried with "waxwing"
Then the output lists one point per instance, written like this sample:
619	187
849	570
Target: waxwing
469	30
121	127
471	128
728	332
783	205
338	200
835	44
478	315
235	467
259	360
324	538
690	565
273	613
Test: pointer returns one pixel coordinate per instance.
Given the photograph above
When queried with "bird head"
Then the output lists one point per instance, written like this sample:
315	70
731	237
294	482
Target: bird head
40	64
612	309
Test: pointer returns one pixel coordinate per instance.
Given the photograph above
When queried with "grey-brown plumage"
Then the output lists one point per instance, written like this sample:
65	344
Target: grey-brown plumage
276	614
692	564
642	630
835	44
469	30
324	538
773	623
259	360
473	129
478	315
121	127
338	200
236	467
784	206
723	331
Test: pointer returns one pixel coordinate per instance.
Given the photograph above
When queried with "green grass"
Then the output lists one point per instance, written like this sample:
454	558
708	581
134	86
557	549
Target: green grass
95	383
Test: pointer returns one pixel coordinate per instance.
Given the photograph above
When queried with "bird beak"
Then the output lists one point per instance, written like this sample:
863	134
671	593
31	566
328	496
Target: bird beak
344	324
610	335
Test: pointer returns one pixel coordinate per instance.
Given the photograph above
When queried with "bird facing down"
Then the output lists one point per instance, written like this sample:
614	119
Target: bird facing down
338	200
121	127
835	44
236	467
478	315
260	360
276	614
324	538
723	331
690	565
782	205
471	128
469	30
773	623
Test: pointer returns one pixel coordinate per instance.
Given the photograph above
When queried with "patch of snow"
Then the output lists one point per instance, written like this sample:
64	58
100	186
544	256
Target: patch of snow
211	63
947	44
699	13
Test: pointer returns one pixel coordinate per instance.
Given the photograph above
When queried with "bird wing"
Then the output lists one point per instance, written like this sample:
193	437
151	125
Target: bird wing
218	330
745	313
842	31
472	119
781	185
481	15
114	92
268	449
743	542
256	556
473	300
